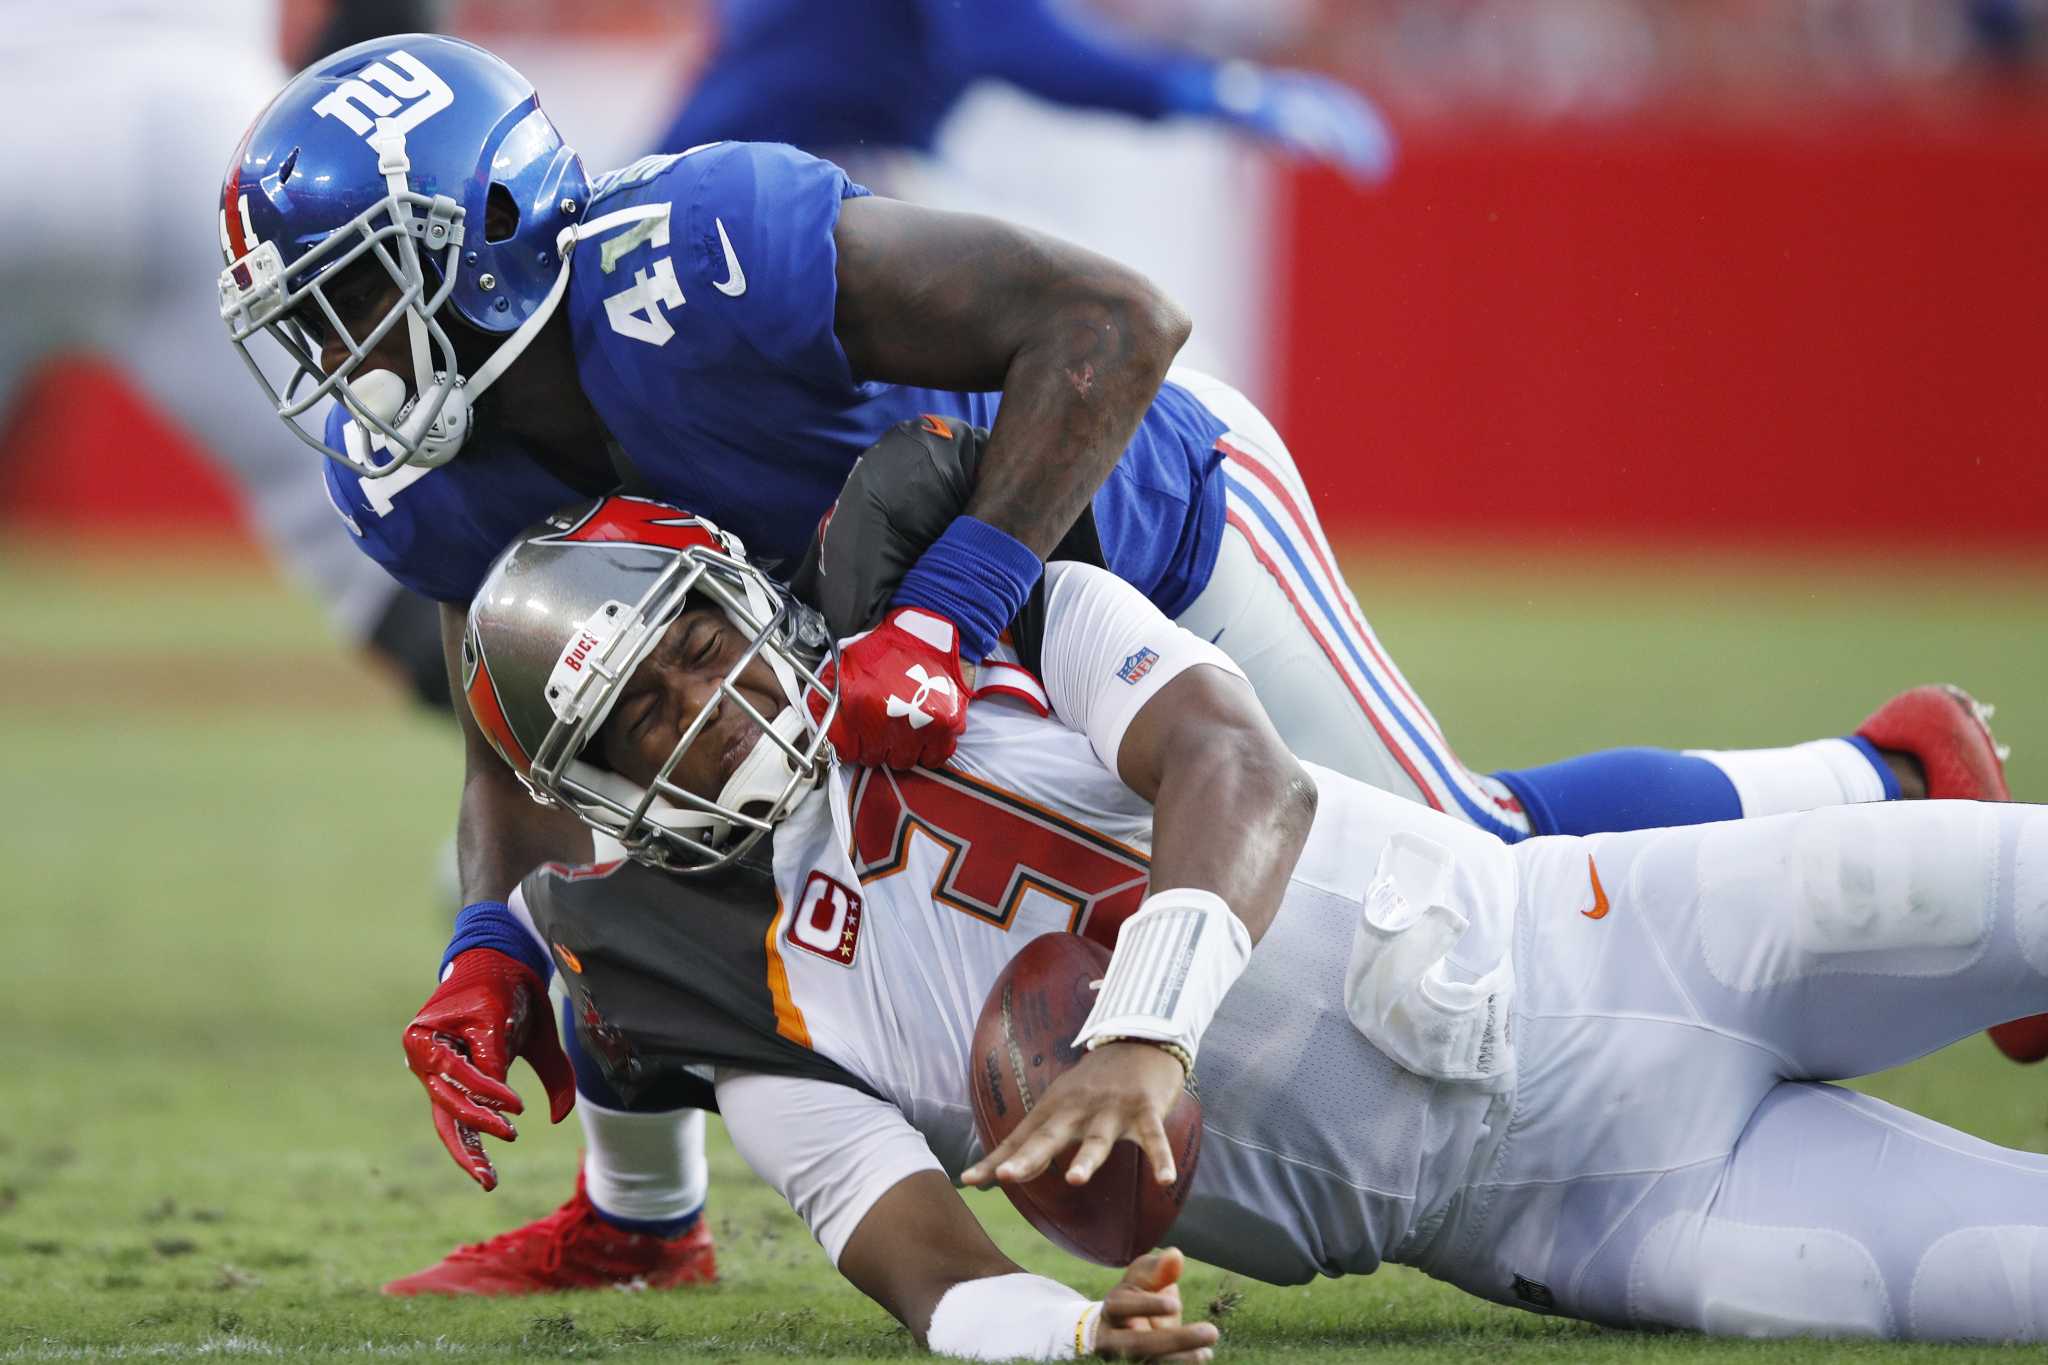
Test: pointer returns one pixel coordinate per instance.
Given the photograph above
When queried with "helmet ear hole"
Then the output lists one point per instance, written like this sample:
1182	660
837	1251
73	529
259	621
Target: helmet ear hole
501	215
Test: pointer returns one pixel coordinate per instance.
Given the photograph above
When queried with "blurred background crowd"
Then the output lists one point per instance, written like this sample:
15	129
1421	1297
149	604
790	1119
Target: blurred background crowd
1665	271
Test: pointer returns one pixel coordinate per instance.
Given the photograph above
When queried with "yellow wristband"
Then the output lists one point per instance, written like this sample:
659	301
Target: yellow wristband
1081	1334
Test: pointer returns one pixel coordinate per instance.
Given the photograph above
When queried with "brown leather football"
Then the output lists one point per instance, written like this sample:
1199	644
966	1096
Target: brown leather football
1022	1043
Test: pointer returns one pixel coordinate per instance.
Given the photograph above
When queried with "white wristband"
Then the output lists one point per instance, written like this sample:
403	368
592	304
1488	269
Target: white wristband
1013	1317
1174	960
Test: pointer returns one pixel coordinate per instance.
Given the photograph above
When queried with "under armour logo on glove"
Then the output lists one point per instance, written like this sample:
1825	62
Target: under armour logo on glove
876	725
927	684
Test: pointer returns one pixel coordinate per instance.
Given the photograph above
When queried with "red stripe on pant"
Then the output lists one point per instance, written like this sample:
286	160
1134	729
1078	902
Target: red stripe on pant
1231	518
1332	583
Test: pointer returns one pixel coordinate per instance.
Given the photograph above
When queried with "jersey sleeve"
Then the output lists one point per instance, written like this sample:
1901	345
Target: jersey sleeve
830	1150
436	531
1107	651
748	234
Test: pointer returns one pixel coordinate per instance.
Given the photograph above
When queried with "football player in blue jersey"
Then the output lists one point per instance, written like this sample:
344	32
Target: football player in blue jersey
859	80
479	333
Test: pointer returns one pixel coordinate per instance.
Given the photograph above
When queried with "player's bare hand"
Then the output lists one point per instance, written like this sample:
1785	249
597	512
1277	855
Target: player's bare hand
1120	1092
490	1009
1141	1316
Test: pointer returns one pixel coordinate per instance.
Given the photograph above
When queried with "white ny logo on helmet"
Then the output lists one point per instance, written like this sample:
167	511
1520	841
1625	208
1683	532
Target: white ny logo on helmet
927	683
403	103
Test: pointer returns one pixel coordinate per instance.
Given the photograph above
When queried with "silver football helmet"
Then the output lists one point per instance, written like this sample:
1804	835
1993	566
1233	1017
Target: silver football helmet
566	614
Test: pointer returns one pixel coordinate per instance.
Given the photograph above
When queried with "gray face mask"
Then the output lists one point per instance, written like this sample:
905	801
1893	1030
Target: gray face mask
574	607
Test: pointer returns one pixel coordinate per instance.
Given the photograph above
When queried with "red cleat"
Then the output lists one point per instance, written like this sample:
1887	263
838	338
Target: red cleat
572	1248
1946	729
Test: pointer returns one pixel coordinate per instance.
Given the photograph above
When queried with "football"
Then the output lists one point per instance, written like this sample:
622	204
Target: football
1023	1042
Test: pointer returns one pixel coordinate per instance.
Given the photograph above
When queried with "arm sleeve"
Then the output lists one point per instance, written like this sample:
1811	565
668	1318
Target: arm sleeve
1108	651
1064	56
828	1149
777	208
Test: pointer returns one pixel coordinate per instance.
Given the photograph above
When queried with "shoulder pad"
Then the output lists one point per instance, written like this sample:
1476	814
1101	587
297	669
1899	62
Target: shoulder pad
670	973
901	495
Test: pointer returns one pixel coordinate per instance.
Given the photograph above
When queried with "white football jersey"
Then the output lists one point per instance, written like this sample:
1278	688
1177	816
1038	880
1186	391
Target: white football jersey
904	894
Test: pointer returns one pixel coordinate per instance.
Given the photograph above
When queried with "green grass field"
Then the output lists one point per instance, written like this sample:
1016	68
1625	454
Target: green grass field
219	864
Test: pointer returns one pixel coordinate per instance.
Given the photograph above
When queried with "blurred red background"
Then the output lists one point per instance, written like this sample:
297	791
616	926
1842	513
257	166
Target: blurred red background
1684	328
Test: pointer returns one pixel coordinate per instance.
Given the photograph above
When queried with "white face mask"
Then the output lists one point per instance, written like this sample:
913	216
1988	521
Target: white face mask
395	423
661	823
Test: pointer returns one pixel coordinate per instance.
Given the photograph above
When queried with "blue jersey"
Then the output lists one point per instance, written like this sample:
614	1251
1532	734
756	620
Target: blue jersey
884	73
701	309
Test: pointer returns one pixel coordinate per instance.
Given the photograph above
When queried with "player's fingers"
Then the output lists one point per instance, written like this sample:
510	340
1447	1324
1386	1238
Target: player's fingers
983	1172
1155	1269
1095	1148
486	1089
1189	1341
456	1103
1158	1151
936	743
1125	1306
544	1054
1035	1153
905	750
467	1149
1019	1156
489	1049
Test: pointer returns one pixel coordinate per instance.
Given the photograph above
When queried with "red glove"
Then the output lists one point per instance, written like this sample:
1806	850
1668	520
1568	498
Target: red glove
490	1009
902	701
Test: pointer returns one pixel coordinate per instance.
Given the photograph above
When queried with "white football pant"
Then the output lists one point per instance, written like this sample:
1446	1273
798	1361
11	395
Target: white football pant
1671	1156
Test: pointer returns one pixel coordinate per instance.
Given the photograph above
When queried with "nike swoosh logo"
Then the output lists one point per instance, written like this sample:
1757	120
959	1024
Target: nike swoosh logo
1599	910
735	282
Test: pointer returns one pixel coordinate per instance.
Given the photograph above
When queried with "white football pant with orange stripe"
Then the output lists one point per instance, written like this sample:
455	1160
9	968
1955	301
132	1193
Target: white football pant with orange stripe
1670	1155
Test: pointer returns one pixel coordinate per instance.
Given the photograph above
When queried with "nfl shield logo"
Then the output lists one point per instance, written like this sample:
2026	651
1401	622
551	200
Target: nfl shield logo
1136	666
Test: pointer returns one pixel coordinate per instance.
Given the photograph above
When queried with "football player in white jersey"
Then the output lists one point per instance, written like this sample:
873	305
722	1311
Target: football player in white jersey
1583	1075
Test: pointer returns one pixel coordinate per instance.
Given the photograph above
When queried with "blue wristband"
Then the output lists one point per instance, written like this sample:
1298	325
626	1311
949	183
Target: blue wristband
975	576
491	924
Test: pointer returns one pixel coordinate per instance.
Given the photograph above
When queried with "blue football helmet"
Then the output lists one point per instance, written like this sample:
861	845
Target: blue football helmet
392	153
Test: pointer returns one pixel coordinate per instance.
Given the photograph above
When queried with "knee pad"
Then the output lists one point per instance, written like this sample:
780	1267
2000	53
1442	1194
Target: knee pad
1982	1284
1750	1280
1894	890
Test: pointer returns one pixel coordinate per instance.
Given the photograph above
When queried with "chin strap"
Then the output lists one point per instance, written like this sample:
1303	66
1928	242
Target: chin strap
454	416
501	359
395	166
438	441
565	243
766	769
